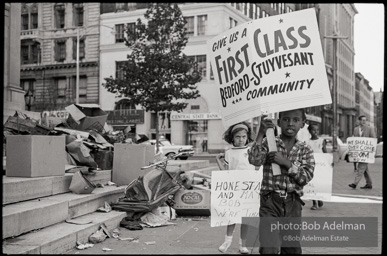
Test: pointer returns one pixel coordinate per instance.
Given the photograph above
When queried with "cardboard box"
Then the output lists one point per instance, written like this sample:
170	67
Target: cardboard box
86	117
193	202
128	160
35	156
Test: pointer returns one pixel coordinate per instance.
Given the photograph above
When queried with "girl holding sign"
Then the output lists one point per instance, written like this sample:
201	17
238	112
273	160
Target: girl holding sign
236	158
319	146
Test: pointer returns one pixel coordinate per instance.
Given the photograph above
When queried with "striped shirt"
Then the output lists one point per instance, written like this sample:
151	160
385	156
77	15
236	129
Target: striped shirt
290	182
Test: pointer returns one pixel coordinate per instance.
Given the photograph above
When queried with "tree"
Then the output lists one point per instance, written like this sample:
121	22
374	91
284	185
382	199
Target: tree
157	75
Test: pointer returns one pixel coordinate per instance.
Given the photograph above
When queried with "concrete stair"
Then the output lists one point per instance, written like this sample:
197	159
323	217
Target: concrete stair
35	211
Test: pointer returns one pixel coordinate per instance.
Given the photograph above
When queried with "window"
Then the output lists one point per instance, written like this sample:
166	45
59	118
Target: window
60	50
24	22
78	15
82	86
120	7
61	86
120	72
289	9
202	24
190	25
132	28
59	15
27	84
201	61
211	73
34	20
29	52
258	12
81	49
120	32
233	23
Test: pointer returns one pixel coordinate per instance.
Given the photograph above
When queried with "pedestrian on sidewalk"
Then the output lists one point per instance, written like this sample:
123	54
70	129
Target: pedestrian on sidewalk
363	130
281	194
236	158
318	145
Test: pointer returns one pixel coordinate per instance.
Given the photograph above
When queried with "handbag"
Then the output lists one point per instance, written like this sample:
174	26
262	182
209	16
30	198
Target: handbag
80	184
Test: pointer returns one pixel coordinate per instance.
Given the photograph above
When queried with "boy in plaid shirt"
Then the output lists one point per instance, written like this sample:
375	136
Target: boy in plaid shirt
281	194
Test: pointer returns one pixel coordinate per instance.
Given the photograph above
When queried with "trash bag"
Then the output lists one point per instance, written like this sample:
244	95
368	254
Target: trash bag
151	190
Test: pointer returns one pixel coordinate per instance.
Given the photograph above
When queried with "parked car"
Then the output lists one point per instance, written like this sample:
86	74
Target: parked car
341	146
168	149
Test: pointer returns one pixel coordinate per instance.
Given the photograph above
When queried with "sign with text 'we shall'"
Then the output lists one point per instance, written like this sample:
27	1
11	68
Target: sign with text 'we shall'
234	194
362	149
269	65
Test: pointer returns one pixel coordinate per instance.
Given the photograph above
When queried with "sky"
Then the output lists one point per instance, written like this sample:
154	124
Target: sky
369	43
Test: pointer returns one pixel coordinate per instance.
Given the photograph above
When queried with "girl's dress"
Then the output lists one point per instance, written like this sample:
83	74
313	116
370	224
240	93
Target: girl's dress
236	158
316	145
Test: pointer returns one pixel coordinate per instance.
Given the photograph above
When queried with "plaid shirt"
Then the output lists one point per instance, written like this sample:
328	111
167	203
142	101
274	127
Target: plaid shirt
300	152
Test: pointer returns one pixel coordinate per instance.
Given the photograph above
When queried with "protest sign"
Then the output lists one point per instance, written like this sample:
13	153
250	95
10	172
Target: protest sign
269	65
234	194
361	149
320	187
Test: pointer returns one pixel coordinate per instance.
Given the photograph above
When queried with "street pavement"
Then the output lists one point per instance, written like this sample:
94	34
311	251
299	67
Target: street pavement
193	234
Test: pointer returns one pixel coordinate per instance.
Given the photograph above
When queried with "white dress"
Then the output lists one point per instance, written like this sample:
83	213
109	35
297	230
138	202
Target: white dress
316	145
237	159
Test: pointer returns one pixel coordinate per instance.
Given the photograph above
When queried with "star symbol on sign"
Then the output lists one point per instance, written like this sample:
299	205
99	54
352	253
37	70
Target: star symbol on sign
236	100
233	102
240	99
287	74
228	49
281	21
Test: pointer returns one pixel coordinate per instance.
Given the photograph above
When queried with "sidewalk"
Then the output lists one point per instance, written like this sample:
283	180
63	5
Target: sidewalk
193	235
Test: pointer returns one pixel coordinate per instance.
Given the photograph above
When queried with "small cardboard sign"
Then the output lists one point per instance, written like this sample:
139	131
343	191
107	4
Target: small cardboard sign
320	187
234	194
362	149
269	65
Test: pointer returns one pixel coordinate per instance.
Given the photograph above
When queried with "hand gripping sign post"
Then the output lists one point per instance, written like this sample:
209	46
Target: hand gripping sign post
269	65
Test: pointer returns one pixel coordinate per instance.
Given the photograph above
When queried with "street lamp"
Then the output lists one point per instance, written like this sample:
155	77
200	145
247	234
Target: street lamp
77	65
334	38
29	98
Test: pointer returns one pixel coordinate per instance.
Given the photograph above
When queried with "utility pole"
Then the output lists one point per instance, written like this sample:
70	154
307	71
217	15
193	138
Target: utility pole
77	76
335	119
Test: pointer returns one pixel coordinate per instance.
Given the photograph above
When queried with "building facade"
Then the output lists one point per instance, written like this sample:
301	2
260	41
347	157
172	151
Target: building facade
13	94
49	53
366	102
338	20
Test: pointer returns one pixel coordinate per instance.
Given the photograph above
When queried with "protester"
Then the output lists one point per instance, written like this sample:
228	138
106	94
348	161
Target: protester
363	130
318	145
238	135
281	194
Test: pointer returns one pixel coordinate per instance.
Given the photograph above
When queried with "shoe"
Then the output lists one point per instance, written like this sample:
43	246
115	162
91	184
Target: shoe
243	250
320	203
226	244
366	187
313	207
352	185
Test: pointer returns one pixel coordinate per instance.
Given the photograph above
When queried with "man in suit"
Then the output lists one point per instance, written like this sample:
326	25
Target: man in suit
363	130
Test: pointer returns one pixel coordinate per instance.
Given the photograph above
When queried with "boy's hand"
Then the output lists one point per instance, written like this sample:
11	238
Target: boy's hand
266	123
278	158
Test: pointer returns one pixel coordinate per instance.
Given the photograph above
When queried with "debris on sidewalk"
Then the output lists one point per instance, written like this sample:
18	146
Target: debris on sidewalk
156	218
106	249
106	208
150	243
81	246
100	235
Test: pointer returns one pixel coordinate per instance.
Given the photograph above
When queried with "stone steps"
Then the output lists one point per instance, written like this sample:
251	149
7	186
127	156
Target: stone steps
17	189
35	210
38	213
62	237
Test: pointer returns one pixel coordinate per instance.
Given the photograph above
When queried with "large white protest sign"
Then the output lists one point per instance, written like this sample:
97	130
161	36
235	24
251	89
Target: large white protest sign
234	194
320	187
361	149
269	65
